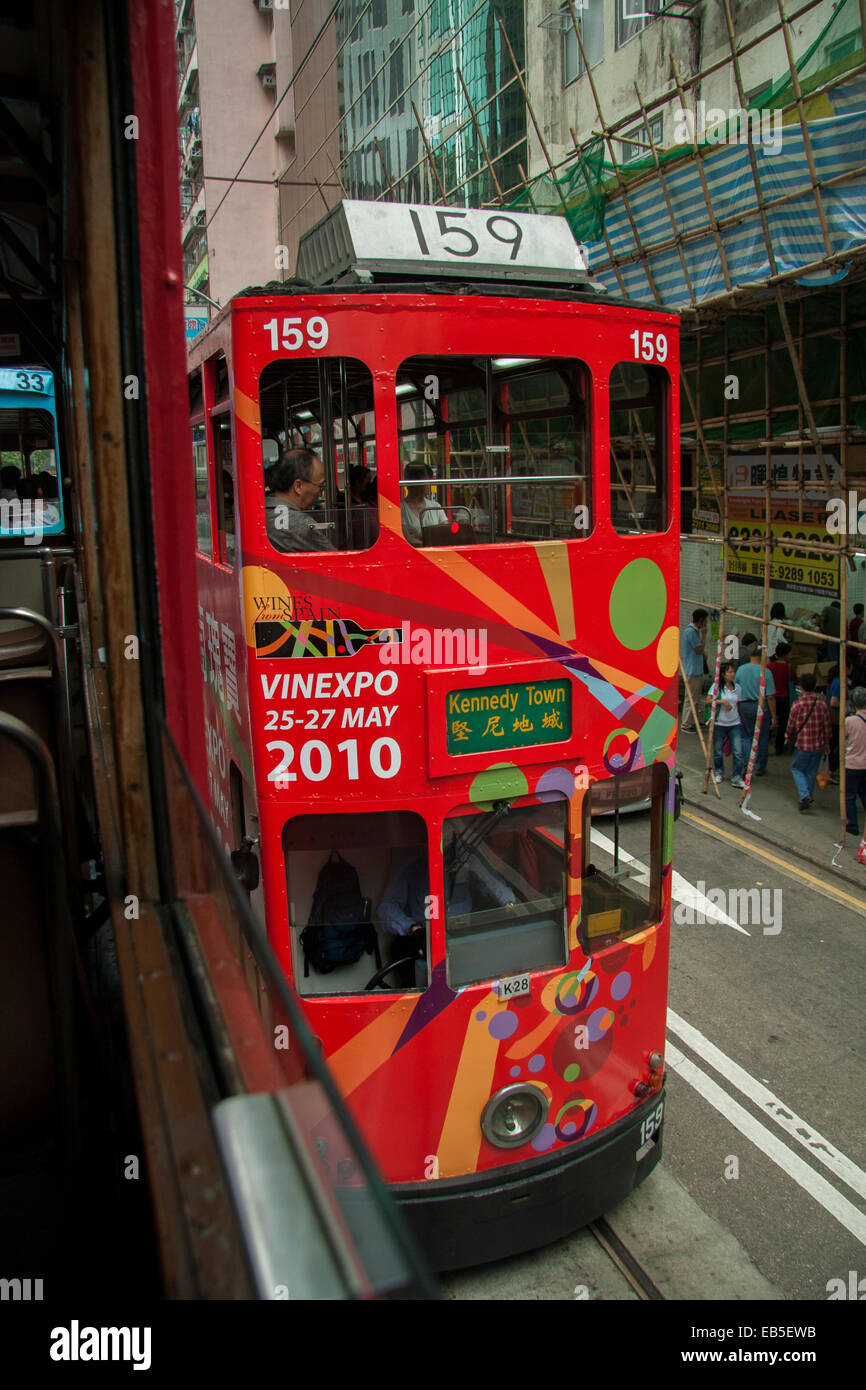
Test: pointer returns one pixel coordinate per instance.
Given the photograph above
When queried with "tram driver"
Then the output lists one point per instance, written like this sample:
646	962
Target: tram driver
418	508
402	911
295	485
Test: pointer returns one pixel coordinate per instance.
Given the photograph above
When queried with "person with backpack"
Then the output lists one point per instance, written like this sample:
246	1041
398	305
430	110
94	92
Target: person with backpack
808	735
855	764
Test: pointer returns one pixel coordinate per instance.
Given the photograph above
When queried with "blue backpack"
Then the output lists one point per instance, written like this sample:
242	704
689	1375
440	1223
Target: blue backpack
339	931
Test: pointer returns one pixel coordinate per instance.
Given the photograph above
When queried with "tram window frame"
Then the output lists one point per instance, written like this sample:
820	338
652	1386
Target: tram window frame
29	516
307	420
494	942
510	508
630	519
226	554
605	890
378	844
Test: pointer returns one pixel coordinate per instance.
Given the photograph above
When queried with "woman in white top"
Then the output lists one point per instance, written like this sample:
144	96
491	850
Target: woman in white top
417	508
727	725
775	632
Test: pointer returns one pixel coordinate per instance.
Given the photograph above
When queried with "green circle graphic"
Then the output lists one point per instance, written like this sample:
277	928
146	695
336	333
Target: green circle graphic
637	604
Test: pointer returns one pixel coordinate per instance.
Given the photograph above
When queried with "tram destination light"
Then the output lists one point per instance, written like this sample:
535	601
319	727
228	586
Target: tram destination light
357	240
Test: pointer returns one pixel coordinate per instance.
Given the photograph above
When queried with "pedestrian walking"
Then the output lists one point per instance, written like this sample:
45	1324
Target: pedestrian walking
692	641
855	763
775	632
855	622
748	678
809	732
784	677
727	725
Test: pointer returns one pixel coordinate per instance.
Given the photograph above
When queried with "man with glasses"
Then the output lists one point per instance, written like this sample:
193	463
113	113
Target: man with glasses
295	485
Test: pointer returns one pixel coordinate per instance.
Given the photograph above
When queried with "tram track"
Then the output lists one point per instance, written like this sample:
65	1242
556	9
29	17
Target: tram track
630	1268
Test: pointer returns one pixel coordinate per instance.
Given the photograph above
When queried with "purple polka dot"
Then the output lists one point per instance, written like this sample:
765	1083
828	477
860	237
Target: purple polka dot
536	1062
621	985
515	1071
502	1025
481	1015
569	1127
569	1000
554	783
544	1139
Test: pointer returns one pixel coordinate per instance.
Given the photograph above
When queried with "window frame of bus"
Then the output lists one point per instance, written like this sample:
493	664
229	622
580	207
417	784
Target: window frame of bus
198	421
496	423
219	410
325	447
660	401
509	927
31	404
358	837
627	789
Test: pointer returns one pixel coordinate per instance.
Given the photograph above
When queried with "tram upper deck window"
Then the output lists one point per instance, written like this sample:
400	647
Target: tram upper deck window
622	849
494	449
638	448
321	491
505	893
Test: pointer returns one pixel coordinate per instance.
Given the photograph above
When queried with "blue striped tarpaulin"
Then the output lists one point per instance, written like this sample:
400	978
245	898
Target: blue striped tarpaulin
838	146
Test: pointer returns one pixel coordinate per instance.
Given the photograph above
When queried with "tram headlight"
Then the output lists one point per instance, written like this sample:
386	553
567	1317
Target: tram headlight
514	1115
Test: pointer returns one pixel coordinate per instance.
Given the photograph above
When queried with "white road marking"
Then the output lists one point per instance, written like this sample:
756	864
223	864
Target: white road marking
811	1182
681	890
774	1108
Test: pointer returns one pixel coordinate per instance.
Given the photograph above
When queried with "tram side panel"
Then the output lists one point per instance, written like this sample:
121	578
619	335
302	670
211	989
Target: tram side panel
353	728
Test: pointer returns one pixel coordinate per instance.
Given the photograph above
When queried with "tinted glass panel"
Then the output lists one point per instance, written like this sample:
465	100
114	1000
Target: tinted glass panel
638	448
359	878
225	493
493	449
622	846
202	489
505	893
324	405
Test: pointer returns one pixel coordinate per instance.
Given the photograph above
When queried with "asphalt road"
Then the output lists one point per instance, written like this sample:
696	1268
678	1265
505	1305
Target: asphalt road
761	1192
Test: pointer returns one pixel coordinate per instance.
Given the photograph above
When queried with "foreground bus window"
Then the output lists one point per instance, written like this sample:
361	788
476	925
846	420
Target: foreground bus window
493	449
357	883
622	855
505	902
638	447
31	503
324	405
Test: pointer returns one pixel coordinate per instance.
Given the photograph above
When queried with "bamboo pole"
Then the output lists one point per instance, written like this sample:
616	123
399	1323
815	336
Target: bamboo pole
478	132
698	730
429	153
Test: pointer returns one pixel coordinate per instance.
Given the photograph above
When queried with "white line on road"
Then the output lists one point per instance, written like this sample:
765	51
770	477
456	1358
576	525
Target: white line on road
811	1182
776	1109
681	890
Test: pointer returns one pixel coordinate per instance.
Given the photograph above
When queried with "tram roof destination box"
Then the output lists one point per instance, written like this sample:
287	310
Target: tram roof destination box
357	241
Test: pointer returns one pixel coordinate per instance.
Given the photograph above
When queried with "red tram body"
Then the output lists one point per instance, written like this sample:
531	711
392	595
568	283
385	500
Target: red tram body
519	1079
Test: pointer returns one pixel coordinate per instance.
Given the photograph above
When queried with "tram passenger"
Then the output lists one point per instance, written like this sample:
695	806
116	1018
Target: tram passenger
295	485
9	476
402	914
418	508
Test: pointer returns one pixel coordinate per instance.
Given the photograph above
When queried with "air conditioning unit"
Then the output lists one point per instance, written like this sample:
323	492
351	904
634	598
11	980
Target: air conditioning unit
264	6
200	218
267	75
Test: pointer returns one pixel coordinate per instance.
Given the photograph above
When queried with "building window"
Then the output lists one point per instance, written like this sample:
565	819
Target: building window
635	143
379	14
591	19
634	15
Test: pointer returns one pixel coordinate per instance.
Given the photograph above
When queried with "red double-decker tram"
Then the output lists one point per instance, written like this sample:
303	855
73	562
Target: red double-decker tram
436	485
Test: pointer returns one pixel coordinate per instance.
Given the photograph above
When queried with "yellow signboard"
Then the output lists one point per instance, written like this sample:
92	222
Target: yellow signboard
795	569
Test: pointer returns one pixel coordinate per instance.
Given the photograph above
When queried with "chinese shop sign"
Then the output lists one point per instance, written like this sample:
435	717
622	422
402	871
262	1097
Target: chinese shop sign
508	716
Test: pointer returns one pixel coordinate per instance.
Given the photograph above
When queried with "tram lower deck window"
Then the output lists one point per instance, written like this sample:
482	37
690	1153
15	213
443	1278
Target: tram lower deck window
317	416
505	891
493	449
622	854
388	852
